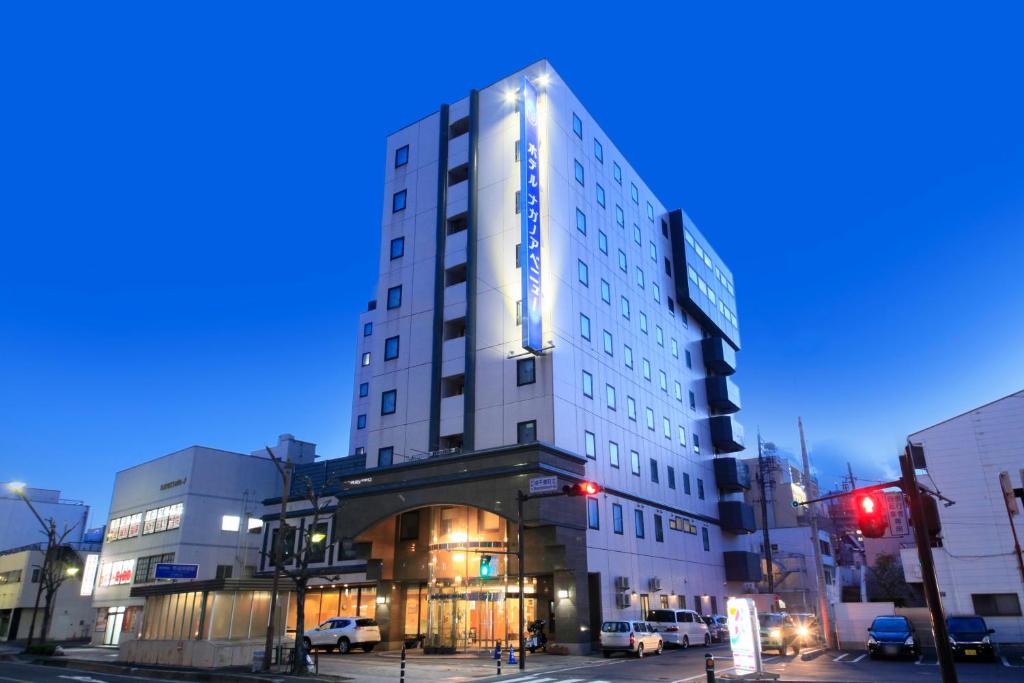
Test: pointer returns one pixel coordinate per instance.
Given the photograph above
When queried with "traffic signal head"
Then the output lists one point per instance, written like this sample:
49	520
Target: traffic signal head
488	567
582	488
872	519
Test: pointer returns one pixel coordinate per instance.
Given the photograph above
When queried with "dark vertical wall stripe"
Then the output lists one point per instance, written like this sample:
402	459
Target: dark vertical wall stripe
434	437
469	392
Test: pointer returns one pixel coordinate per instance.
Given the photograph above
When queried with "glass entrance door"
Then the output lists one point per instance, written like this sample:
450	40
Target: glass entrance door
115	620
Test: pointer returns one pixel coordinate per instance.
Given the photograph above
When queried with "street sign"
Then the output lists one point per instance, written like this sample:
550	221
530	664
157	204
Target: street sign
543	484
744	635
167	570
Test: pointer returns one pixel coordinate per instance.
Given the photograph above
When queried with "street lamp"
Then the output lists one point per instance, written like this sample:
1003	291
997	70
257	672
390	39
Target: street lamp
71	571
51	532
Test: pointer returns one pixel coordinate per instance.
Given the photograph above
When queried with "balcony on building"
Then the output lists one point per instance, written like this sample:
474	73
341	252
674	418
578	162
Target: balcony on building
726	434
741	565
731	475
736	517
719	355
723	394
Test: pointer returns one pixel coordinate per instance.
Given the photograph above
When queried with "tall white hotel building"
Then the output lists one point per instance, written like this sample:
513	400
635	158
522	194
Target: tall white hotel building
626	382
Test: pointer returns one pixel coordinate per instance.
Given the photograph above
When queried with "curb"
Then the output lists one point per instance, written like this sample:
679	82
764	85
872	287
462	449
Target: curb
167	674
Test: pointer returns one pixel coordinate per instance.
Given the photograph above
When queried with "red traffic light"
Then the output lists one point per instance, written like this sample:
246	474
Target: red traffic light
867	505
583	488
872	519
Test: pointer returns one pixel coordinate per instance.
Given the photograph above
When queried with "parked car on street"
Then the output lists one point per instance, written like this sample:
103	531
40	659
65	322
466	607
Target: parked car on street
682	627
969	637
718	627
632	637
892	636
343	633
779	632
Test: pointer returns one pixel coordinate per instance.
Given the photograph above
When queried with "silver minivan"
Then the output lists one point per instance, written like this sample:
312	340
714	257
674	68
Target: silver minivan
632	637
682	627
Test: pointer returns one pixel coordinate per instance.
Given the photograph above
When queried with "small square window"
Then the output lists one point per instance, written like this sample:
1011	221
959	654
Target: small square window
385	456
526	432
588	384
600	194
402	156
578	172
583	273
577	126
394	297
584	327
598	151
391	348
364	389
366	359
613	454
526	371
602	242
389	402
617	173
606	292
367	329
634	193
397	248
581	221
590	445
398	201
634	463
361	422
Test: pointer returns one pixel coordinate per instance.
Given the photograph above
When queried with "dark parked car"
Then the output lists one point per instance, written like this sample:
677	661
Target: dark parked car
718	627
969	637
893	636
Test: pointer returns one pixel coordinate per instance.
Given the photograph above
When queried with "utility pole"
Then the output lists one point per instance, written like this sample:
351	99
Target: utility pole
849	471
928	580
819	569
285	472
769	563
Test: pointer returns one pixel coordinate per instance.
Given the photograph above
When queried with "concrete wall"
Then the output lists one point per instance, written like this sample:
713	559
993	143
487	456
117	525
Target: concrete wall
853	618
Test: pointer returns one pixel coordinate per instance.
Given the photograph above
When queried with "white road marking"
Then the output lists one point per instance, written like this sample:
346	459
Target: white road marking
517	680
20	680
841	657
854	661
83	679
920	662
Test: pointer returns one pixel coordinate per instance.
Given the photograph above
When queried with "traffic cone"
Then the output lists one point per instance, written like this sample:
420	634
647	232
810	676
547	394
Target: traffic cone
511	655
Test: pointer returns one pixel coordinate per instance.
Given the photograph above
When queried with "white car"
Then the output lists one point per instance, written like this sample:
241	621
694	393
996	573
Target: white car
343	633
682	627
633	637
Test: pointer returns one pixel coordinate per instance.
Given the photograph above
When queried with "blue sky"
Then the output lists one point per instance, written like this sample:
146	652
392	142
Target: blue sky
190	194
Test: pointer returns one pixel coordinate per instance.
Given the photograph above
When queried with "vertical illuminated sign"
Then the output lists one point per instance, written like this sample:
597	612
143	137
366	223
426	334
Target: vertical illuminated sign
529	216
92	563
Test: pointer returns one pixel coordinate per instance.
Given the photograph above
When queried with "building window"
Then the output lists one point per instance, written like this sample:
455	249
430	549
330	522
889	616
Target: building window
366	359
617	172
996	604
668	267
686	483
526	371
654	252
671	307
394	297
634	463
360	450
646	365
671	477
364	389
659	530
657	292
402	156
700	488
634	193
622	262
367	329
584	327
609	391
682	436
643	322
613	454
581	221
637	237
588	384
659	335
666	428
519	249
679	396
578	171
638	523
617	518
663	380
391	348
593	516
230	523
526	432
590	445
640	277
705	537
388	402
583	273
385	456
577	126
624	305
696	443
602	242
620	217
598	151
653	465
649	414
627	352
675	348
361	422
398	202
519	312
397	248
693	401
682	315
608	346
606	292
600	195
650	212
631	408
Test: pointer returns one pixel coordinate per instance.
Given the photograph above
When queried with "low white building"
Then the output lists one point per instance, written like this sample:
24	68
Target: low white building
977	567
197	506
72	617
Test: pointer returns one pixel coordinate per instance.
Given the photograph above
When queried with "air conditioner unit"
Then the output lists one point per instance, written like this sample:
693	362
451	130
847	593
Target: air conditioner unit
654	584
623	600
622	583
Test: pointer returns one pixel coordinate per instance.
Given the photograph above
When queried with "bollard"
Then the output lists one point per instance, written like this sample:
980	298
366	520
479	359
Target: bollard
497	649
709	667
316	661
401	674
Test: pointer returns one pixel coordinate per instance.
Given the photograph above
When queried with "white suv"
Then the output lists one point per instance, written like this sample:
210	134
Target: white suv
682	627
343	633
633	637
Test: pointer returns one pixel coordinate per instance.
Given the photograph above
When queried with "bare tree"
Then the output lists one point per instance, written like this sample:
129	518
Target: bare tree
887	583
61	562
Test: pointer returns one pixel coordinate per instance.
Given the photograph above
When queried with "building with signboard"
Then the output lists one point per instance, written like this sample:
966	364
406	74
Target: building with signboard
197	506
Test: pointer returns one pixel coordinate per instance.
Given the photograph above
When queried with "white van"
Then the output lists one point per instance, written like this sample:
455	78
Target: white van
682	627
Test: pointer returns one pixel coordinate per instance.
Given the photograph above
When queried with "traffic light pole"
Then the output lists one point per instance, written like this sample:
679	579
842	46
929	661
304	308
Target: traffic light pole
924	554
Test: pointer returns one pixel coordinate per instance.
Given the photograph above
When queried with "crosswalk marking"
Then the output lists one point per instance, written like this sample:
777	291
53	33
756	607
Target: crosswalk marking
854	661
840	657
